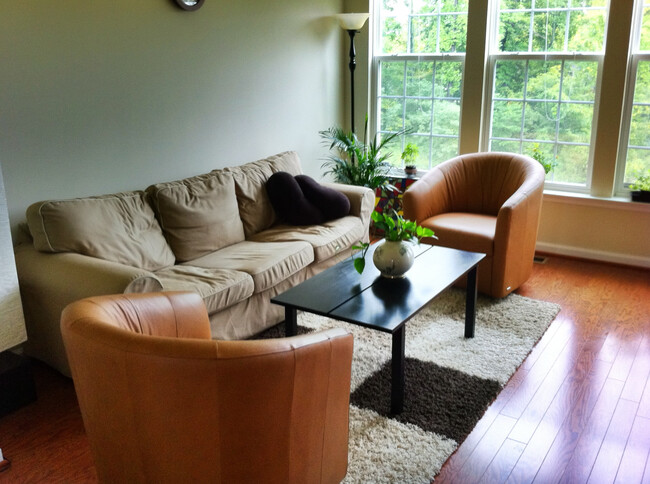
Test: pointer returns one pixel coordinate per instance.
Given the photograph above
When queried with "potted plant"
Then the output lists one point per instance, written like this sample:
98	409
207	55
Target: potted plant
394	254
640	188
409	155
357	163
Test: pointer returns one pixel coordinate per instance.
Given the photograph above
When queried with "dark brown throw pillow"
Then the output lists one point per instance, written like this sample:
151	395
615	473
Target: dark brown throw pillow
301	200
289	202
331	203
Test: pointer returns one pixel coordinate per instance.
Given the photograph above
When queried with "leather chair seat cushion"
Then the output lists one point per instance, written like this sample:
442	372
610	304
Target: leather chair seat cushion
120	227
327	239
267	264
301	200
199	214
219	288
465	231
255	207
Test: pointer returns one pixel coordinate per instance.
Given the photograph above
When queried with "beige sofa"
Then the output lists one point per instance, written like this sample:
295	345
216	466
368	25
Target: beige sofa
215	234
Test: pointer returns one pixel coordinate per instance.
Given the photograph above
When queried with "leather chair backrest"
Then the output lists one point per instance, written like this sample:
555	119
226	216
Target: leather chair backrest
162	402
483	182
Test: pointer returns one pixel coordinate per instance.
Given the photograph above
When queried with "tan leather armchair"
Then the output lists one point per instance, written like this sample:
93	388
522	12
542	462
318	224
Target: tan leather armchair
162	402
484	202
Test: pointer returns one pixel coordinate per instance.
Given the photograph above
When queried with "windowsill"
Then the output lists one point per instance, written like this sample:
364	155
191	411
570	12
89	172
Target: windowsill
616	203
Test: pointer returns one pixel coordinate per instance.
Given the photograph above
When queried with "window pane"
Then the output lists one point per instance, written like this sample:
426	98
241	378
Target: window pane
551	26
575	122
449	78
543	104
424	34
586	30
443	150
572	162
548	31
503	145
419	76
391	114
392	78
393	38
506	119
513	31
638	152
453	33
418	116
645	30
509	79
446	117
540	120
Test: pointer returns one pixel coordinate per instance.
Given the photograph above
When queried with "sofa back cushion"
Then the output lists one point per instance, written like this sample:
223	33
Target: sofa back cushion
255	207
198	215
120	228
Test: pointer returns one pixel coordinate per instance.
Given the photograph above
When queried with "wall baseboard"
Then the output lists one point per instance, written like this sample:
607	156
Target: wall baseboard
596	255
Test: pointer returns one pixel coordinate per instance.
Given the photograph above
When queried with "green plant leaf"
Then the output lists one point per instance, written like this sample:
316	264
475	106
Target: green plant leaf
359	264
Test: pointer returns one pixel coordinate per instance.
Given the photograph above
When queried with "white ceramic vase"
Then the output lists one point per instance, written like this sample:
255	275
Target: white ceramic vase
393	258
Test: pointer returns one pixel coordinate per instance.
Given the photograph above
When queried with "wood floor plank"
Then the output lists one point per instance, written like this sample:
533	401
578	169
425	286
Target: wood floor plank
635	457
611	451
639	373
501	466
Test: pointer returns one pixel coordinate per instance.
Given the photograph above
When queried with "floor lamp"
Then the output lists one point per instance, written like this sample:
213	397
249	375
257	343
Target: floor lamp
352	22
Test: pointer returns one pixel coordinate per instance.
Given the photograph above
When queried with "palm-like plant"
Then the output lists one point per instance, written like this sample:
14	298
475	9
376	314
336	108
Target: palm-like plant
355	162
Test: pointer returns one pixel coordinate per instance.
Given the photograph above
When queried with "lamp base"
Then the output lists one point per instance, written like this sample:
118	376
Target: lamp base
17	387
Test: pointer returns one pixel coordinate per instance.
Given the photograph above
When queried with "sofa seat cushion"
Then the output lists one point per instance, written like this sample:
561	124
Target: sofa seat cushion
255	207
199	214
466	231
267	263
219	288
120	228
327	239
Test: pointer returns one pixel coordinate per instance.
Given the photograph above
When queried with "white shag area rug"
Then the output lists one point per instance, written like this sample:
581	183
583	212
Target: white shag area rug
450	382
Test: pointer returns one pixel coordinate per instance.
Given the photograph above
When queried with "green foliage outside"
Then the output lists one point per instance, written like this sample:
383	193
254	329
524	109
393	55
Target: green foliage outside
540	106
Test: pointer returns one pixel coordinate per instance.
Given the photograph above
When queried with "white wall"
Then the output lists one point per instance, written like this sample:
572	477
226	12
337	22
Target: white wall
109	95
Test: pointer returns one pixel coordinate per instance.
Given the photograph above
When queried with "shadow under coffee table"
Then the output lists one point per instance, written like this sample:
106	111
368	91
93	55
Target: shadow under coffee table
384	304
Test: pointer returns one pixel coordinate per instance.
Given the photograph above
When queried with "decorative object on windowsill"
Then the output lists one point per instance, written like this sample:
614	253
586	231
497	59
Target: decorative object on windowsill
189	4
352	23
640	188
394	254
409	155
537	154
355	162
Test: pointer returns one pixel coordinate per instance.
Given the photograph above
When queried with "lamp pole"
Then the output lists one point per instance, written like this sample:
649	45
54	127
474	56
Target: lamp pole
352	22
352	65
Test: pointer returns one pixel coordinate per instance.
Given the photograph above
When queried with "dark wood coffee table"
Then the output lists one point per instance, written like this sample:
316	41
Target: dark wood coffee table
384	304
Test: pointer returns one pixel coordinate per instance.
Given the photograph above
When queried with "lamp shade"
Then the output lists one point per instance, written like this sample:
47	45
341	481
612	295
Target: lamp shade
352	21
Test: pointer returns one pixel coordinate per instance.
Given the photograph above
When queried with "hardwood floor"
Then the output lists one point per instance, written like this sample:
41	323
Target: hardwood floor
577	410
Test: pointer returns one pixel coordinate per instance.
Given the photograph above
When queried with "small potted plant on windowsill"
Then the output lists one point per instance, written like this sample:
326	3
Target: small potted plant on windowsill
409	155
394	254
640	188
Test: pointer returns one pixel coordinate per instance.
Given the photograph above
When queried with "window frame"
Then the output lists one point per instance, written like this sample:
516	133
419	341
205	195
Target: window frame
493	55
621	188
375	79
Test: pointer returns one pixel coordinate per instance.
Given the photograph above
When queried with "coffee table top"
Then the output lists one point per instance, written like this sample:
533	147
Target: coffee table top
371	300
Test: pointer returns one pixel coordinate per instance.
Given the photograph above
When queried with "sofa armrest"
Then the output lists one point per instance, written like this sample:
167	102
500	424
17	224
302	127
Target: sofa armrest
362	199
49	282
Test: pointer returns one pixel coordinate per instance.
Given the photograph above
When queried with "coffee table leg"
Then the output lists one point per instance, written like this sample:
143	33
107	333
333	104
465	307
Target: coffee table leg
290	321
397	372
470	303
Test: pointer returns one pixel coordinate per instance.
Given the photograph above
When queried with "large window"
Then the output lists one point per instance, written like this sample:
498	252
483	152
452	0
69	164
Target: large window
545	56
419	70
635	150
